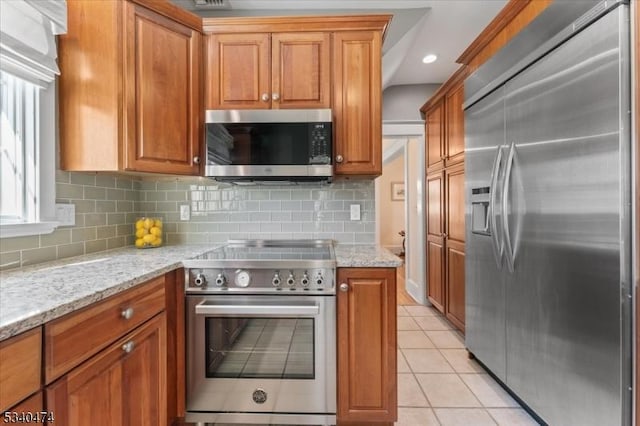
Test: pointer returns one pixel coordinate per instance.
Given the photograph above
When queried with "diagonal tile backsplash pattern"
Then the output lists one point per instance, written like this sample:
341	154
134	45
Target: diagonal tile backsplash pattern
107	206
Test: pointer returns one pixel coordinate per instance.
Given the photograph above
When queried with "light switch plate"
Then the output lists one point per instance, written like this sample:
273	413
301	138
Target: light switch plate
66	214
185	212
355	211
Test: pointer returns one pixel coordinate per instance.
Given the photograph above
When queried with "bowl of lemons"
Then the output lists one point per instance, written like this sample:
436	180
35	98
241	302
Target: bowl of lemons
148	232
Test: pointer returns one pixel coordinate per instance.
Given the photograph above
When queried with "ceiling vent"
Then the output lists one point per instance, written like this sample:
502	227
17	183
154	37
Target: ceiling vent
212	4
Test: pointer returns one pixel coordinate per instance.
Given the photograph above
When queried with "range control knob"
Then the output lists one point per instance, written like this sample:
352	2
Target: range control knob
319	280
200	281
243	278
221	280
276	280
291	280
305	280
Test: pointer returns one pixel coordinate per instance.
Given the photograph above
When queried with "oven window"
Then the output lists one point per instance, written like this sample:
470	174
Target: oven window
271	348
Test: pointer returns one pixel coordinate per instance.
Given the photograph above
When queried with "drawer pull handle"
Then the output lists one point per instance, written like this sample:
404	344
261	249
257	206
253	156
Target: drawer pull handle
127	313
128	347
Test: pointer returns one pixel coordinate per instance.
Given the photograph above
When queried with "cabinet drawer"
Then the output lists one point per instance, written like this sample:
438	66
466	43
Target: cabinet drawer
20	364
76	337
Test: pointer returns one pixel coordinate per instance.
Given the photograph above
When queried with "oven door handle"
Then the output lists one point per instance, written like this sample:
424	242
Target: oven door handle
257	310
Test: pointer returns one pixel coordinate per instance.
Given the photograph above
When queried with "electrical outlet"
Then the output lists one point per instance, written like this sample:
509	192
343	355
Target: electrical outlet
66	214
185	212
355	211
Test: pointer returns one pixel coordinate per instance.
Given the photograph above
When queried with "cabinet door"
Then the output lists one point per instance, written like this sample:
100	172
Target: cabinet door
357	88
300	70
435	136
454	242
367	388
20	367
238	71
162	94
435	240
122	385
455	126
455	311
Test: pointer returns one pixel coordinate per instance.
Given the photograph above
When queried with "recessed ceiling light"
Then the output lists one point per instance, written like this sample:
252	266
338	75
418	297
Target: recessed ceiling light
430	58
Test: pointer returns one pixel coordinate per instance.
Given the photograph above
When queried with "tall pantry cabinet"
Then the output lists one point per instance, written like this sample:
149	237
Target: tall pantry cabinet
445	199
444	119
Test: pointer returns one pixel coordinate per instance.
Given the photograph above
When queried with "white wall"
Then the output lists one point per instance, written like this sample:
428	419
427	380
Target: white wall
403	102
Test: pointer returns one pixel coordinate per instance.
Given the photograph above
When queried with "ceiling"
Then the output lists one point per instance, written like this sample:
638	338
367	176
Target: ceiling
443	27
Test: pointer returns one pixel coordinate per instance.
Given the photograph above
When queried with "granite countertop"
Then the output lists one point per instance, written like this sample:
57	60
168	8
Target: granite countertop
365	256
34	295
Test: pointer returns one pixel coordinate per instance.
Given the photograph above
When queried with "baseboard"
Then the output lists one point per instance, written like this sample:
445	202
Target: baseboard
414	290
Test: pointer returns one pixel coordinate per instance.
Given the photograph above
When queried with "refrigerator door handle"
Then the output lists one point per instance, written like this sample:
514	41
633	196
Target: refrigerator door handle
493	216
505	208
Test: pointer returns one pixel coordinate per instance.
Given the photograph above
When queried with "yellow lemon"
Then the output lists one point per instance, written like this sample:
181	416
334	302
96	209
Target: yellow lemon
141	233
140	224
148	223
149	238
139	242
158	223
157	242
155	231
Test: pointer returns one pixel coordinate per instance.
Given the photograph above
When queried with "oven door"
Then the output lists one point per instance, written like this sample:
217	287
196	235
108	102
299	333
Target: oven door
261	354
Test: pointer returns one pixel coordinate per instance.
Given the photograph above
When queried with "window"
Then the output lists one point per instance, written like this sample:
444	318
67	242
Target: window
18	149
27	111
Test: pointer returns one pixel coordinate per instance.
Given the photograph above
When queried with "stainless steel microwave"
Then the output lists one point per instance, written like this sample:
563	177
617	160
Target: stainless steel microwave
269	145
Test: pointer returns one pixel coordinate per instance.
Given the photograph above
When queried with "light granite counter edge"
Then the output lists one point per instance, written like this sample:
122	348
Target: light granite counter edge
74	289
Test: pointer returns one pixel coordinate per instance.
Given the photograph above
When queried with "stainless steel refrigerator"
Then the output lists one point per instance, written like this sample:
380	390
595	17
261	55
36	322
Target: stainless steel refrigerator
548	214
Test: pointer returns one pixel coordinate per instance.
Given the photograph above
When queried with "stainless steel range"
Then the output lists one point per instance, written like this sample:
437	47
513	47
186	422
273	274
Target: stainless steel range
261	333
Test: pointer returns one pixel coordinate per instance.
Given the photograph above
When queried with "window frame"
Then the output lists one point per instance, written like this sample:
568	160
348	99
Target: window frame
45	211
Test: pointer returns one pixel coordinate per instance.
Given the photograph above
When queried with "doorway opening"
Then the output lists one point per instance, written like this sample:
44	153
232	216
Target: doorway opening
400	202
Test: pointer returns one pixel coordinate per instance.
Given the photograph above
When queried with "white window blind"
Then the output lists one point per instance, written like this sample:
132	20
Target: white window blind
27	37
27	114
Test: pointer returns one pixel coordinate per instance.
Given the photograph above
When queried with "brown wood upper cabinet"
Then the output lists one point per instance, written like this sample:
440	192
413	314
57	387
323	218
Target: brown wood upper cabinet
444	118
357	102
263	70
435	135
454	142
367	383
305	62
130	96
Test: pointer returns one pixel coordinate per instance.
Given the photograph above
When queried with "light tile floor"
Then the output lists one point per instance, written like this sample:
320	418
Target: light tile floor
439	385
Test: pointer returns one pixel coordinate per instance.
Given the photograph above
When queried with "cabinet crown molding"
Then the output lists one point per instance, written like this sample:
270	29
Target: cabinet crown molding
276	24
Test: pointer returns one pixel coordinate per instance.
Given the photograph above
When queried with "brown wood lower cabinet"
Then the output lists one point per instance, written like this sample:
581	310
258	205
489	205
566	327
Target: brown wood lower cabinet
20	367
367	382
124	384
455	284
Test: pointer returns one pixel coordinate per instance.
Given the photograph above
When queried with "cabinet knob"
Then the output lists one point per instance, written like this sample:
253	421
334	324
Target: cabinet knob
265	97
444	235
196	160
339	158
344	287
275	96
127	313
128	347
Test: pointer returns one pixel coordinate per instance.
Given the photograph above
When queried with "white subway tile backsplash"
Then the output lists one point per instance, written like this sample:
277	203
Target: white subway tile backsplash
107	207
223	212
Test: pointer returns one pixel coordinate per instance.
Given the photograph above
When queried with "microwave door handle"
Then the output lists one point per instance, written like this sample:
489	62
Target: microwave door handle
257	310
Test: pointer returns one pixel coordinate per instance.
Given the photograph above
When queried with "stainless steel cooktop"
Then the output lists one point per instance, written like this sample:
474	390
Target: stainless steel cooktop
264	266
